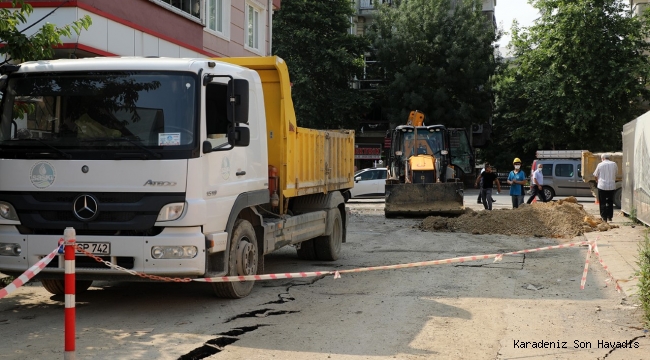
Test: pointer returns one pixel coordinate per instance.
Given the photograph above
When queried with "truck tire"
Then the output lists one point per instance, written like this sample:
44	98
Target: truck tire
346	196
328	247
549	194
57	286
617	197
242	260
307	250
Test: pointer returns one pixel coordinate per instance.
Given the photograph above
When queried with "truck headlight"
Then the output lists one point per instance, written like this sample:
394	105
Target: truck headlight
7	211
174	252
171	212
10	249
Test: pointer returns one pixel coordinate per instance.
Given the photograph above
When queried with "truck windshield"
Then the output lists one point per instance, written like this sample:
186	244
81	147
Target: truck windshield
81	112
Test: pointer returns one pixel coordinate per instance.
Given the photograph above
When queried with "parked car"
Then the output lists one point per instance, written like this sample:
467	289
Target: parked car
562	177
368	183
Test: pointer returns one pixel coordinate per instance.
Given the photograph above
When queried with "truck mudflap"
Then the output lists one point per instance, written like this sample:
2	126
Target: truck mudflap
424	199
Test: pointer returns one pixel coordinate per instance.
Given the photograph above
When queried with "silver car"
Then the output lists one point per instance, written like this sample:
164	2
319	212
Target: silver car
562	177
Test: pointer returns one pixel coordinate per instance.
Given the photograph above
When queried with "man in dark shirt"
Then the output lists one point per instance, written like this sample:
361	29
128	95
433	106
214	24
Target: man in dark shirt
488	178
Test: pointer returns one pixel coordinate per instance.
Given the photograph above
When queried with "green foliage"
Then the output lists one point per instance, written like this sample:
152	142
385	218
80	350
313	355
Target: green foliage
20	47
6	281
312	37
644	278
438	57
578	74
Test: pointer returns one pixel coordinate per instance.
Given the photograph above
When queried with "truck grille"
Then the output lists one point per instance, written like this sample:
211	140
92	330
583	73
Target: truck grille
52	212
102	217
85	262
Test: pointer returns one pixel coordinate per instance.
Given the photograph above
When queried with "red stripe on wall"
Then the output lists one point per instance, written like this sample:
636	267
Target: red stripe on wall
36	4
85	48
75	3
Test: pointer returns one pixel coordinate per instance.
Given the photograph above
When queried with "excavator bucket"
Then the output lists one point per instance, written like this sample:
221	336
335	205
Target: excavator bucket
420	200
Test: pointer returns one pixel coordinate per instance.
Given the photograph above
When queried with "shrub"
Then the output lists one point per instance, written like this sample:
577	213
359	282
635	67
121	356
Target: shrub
644	278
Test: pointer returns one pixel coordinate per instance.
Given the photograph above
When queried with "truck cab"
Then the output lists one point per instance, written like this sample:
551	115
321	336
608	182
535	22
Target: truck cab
162	166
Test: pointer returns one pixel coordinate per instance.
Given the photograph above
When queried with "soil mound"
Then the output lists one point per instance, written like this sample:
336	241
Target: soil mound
558	219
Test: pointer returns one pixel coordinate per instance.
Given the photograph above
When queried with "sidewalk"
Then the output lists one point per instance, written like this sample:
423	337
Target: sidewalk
619	250
618	247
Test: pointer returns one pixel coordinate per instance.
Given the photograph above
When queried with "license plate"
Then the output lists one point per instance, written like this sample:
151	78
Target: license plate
94	248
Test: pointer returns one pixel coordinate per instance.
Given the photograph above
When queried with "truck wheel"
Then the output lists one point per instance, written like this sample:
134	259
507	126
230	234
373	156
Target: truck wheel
307	250
617	197
346	196
549	194
242	260
328	247
57	286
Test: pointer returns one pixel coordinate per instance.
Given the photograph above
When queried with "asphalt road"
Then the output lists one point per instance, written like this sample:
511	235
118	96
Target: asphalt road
477	310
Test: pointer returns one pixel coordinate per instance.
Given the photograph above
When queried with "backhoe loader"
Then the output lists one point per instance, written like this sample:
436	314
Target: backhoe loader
426	167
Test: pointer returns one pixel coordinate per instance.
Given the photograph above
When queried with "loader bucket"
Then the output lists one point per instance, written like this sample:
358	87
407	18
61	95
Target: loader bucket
419	200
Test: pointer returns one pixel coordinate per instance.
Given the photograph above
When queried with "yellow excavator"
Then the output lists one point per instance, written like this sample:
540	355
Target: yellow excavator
426	169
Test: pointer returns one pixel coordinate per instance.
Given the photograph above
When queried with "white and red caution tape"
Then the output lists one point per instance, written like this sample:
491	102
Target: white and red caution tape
337	274
266	276
610	277
29	274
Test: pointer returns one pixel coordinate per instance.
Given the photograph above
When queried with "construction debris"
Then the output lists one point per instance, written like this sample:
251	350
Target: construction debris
558	219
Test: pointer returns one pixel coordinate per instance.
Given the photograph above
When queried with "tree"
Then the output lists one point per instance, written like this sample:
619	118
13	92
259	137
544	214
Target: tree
312	37
438	57
18	47
578	74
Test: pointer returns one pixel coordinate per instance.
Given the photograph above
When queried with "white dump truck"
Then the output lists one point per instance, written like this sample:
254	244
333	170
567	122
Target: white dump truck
173	167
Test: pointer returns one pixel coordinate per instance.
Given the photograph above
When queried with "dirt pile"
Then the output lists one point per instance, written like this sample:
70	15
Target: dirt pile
559	219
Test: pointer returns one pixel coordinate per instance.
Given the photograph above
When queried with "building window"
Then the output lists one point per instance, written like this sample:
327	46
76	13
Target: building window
254	24
189	7
218	16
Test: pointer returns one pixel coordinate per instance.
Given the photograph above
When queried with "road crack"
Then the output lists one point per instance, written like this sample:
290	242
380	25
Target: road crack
216	345
260	314
282	298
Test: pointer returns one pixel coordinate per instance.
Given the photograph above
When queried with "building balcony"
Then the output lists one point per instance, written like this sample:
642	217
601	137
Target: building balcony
367	8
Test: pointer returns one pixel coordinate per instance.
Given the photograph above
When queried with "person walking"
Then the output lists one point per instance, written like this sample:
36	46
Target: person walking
605	174
480	200
536	187
486	179
517	179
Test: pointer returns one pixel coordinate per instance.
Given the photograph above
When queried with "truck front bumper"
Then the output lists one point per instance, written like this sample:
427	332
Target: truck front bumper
130	252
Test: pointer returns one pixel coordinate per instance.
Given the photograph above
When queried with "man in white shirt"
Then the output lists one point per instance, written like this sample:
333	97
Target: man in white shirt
606	178
536	186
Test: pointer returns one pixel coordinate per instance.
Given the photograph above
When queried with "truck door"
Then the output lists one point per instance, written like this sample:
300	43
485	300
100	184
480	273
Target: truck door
582	188
226	172
460	151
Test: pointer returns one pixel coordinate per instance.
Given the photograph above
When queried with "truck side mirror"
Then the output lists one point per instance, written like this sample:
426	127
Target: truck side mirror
238	93
241	136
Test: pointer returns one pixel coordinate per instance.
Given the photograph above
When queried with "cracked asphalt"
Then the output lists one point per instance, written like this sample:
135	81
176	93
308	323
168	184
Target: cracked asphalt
478	310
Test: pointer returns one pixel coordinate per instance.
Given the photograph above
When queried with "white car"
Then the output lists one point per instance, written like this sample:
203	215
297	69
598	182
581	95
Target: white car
368	183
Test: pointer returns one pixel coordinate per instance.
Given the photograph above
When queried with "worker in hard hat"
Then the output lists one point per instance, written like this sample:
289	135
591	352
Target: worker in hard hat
517	180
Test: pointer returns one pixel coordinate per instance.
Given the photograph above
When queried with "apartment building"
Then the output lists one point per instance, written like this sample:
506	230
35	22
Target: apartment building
170	28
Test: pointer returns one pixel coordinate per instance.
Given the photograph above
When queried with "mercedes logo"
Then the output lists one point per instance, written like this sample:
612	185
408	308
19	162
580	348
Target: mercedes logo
85	207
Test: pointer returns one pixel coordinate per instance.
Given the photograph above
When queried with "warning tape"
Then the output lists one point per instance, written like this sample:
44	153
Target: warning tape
610	277
337	274
29	274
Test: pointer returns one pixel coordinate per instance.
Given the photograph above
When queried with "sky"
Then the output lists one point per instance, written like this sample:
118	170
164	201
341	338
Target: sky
508	10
